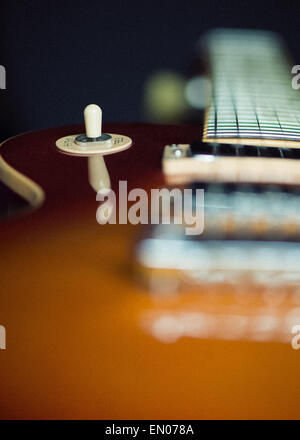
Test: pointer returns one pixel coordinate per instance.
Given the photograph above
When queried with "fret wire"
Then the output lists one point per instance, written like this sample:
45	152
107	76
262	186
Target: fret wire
258	102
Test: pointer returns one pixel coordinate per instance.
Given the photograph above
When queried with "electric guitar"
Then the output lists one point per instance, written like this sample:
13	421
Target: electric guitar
124	321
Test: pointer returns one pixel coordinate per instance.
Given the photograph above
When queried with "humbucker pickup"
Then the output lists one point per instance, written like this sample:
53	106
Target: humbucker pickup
184	163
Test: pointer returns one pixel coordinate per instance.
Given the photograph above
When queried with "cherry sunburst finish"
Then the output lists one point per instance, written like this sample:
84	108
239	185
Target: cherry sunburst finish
79	342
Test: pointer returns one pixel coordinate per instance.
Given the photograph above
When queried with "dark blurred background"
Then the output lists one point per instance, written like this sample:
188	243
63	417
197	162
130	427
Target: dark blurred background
61	55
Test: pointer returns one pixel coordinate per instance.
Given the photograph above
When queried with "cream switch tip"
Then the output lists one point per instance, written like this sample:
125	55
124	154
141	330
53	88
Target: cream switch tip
93	121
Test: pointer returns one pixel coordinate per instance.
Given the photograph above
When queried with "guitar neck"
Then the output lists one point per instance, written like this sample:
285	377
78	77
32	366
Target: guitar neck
252	98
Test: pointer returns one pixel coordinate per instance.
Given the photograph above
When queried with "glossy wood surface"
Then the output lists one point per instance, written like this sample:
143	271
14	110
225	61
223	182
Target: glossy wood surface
76	318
